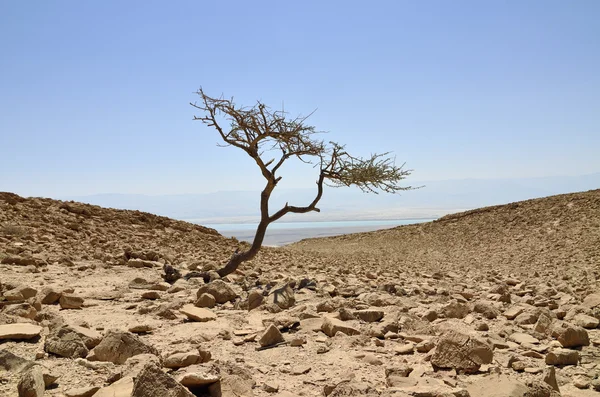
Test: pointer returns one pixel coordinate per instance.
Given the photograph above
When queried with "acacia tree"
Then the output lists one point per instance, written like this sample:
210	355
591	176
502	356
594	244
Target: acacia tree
270	138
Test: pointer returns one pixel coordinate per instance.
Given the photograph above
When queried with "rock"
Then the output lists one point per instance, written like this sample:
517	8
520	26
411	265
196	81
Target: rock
121	388
543	324
370	358
591	301
232	386
331	326
271	336
70	301
498	386
198	313
562	357
180	360
527	318
298	341
283	296
369	315
406	348
82	391
585	321
301	370
65	342
206	300
425	346
571	335
456	310
152	381
461	352
141	328
486	309
27	292
90	337
581	382
140	283
139	263
151	295
522	338
550	377
117	346
513	312
270	387
31	383
12	362
197	375
392	374
255	299
19	331
221	291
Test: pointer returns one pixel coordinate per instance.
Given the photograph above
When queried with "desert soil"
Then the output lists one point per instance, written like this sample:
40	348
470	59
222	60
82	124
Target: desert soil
499	301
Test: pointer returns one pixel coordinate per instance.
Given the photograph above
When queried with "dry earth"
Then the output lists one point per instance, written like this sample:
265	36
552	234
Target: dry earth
500	301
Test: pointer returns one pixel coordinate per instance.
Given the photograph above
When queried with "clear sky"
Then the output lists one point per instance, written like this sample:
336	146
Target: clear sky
95	94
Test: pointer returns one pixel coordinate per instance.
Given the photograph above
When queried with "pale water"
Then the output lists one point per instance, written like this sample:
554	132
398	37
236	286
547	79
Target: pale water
281	233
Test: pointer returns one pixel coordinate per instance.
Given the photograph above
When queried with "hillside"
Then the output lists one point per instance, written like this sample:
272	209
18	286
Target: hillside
501	298
555	235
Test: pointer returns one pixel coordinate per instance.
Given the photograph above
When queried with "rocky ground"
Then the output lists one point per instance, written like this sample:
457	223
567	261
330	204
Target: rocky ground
501	301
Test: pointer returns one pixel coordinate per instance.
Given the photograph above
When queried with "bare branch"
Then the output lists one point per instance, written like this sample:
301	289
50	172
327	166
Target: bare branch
259	129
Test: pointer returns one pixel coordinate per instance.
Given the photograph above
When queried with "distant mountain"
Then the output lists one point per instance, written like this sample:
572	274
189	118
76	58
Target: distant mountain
435	199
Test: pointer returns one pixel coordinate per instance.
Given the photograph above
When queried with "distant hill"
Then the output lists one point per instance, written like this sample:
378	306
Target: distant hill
560	234
435	199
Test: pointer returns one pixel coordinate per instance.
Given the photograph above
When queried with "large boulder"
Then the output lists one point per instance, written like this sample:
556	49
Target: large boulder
65	342
571	335
31	383
461	352
152	381
117	346
221	291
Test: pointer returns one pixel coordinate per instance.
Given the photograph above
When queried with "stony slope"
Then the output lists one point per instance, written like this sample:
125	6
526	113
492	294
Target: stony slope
556	236
437	309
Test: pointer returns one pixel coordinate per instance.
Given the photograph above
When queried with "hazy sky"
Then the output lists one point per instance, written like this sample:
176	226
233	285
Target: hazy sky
95	94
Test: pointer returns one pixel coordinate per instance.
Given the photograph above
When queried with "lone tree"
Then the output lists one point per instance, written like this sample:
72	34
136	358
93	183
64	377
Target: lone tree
262	133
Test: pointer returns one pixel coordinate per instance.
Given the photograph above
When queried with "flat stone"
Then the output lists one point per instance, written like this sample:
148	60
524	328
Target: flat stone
151	295
407	348
196	375
523	338
180	360
198	313
82	391
331	326
513	312
585	321
19	331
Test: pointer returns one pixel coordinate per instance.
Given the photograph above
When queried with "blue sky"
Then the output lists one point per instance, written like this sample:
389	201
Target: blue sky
95	94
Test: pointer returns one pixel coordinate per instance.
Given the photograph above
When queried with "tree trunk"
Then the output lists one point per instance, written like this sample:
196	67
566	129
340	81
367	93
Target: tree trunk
240	257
